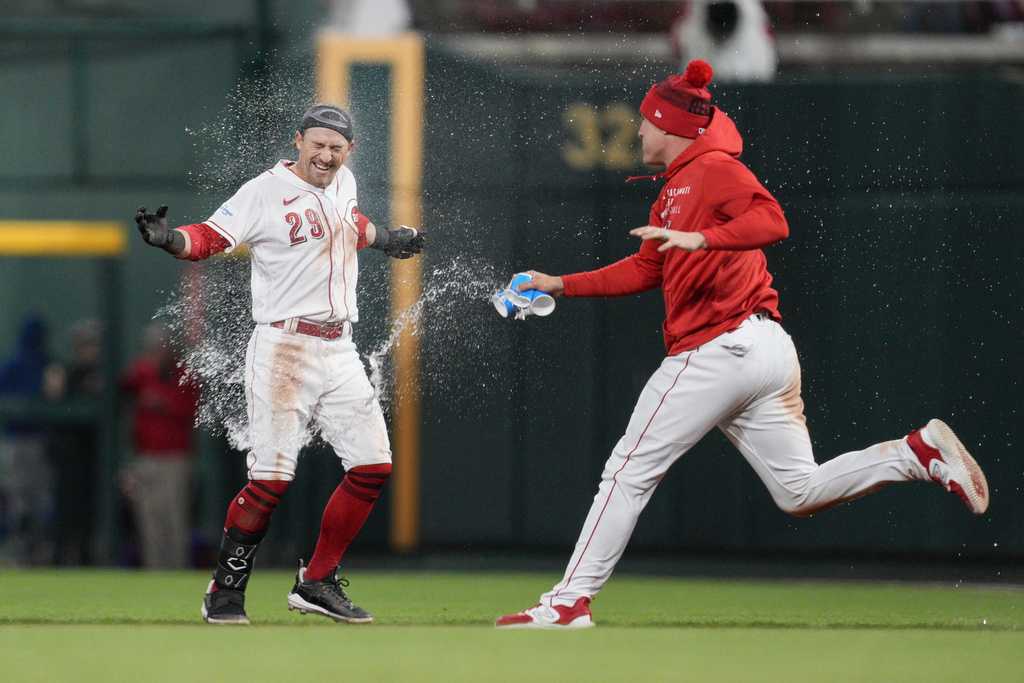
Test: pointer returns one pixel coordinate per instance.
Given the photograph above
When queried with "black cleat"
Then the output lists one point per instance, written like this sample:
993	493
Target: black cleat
224	606
326	597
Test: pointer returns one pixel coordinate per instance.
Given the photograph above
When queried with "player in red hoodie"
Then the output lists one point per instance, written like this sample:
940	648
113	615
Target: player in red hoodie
730	364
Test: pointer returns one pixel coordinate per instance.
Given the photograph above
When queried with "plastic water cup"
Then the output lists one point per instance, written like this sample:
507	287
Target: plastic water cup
502	304
538	303
510	303
541	303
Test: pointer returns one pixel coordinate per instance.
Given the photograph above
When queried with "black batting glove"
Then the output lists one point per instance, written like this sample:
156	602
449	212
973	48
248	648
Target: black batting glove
403	242
153	227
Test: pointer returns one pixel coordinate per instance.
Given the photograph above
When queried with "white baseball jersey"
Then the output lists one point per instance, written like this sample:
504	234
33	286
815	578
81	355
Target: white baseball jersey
303	241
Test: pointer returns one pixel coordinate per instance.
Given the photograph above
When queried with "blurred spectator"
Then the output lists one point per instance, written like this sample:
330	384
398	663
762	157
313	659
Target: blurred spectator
26	480
74	448
734	37
373	18
157	481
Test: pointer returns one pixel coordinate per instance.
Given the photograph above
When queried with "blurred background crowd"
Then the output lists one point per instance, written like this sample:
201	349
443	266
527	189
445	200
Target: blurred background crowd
47	467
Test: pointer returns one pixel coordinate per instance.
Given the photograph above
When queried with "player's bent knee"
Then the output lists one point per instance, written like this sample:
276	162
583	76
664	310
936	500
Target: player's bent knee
793	501
797	511
799	506
790	506
262	474
271	464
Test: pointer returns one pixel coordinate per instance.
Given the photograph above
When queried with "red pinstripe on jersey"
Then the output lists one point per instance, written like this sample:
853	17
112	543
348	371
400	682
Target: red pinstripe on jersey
615	481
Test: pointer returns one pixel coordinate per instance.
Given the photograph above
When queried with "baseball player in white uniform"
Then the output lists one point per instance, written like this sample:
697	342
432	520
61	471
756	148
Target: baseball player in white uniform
301	222
729	362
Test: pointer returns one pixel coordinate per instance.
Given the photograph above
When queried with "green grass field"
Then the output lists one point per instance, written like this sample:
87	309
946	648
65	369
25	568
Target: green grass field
79	625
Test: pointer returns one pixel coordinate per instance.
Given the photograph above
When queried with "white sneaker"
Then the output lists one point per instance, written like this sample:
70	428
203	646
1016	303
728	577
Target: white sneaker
550	617
950	465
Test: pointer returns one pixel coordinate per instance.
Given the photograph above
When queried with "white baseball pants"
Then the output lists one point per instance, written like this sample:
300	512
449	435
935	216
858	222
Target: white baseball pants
294	381
747	383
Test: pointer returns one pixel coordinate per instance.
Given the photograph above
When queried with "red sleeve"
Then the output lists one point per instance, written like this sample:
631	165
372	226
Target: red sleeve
747	216
632	275
203	241
361	223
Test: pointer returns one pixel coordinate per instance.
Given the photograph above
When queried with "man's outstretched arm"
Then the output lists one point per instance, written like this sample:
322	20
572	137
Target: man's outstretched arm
631	275
193	242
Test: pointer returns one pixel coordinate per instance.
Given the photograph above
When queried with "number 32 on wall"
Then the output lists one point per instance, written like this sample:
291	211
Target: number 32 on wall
600	137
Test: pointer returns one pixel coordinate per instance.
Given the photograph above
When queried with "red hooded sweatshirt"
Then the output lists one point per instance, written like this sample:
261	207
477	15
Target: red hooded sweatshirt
712	290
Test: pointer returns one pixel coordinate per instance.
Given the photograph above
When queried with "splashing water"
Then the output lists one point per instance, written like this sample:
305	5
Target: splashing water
253	130
210	321
450	292
209	316
210	324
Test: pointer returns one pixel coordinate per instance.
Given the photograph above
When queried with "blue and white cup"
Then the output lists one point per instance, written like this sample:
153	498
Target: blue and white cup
503	304
519	304
539	303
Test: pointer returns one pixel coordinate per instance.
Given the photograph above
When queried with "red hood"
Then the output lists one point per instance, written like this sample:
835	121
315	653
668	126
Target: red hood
721	135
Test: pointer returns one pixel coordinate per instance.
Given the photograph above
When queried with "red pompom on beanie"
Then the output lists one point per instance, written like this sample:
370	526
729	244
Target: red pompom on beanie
681	105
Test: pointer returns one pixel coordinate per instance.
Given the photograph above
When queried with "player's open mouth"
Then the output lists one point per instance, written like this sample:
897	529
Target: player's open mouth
321	167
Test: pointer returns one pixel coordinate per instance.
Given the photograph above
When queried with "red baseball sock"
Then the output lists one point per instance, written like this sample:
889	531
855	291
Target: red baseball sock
246	523
251	508
346	511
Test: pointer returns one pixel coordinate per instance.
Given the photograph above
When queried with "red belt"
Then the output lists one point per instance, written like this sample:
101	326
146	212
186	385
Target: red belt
322	330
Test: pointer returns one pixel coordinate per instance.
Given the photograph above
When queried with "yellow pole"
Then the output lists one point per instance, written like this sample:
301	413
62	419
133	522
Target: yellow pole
62	238
406	277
